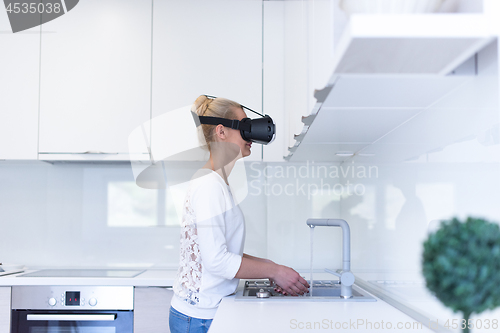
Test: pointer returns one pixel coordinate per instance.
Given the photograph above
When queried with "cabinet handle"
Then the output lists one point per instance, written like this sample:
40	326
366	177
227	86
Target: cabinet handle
89	152
98	152
72	317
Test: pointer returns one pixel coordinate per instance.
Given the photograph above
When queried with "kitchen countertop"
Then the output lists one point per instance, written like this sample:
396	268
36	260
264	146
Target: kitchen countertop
290	316
149	278
407	292
401	298
265	317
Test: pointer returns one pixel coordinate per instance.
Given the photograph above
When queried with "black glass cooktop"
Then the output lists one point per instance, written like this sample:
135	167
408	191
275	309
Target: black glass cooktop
98	273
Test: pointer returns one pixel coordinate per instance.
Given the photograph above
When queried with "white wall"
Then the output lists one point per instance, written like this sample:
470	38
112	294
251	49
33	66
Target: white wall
75	214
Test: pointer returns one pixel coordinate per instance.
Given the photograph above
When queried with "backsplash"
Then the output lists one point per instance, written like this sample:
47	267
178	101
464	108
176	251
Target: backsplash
71	214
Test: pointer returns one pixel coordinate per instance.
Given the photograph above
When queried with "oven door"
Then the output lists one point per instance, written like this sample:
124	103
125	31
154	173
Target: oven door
33	321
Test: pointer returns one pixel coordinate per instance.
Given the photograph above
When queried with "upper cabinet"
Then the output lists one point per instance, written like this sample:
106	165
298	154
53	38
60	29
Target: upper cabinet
19	68
391	93
298	54
432	44
204	47
93	80
95	83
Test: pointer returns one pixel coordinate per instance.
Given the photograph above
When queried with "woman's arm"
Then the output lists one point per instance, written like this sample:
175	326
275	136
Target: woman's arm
285	277
256	258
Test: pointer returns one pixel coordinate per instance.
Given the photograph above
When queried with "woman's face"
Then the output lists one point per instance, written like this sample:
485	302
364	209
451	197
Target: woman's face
234	136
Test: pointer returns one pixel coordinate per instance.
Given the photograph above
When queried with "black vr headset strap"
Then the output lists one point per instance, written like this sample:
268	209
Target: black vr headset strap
231	123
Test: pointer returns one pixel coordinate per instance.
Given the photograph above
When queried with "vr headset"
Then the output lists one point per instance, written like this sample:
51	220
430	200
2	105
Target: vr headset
261	130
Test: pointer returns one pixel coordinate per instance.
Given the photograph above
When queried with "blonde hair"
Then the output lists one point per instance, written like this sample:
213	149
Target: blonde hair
217	107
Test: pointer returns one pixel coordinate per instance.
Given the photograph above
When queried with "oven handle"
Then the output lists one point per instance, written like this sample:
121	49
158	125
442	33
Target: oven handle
72	317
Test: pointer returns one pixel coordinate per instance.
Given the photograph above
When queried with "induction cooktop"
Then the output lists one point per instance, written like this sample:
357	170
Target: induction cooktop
97	273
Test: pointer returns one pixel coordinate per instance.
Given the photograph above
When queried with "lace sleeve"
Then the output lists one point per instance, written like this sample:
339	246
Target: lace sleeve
188	280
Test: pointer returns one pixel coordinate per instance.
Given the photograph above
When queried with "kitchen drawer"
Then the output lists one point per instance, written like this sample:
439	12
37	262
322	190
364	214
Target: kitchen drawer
5	309
151	309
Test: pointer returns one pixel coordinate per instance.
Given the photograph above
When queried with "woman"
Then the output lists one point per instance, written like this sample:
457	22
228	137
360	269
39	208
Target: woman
213	231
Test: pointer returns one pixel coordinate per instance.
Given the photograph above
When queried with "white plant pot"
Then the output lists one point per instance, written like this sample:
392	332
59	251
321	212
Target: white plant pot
390	6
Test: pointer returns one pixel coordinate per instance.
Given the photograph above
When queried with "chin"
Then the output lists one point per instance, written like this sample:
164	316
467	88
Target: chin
246	151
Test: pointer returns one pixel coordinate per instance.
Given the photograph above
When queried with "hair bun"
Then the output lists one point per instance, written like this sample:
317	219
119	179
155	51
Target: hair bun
212	107
201	105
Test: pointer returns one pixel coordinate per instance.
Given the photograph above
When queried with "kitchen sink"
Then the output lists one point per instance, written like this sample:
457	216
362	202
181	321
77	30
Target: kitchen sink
322	291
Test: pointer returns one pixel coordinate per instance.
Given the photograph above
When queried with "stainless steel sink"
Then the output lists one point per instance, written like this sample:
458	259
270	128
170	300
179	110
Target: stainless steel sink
322	291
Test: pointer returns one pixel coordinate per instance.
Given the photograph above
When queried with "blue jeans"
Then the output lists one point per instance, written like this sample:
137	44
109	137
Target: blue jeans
180	323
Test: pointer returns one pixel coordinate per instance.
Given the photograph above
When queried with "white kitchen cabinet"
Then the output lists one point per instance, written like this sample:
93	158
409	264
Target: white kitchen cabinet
95	79
298	53
19	68
205	47
430	44
384	77
274	77
5	309
151	309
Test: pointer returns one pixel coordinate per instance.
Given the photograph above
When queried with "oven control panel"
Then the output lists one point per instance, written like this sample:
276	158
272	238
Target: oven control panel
73	297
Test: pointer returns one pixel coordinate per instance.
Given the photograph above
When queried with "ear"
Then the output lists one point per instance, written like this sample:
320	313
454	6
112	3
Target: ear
220	132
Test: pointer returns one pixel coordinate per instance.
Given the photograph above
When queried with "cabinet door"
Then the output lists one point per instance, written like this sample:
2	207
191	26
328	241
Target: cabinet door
19	73
5	309
298	58
151	309
206	47
95	77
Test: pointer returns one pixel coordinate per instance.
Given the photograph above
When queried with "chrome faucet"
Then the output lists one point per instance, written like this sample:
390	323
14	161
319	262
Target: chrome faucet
345	275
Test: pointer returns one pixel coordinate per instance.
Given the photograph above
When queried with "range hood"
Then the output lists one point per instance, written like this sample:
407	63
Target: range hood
432	44
388	71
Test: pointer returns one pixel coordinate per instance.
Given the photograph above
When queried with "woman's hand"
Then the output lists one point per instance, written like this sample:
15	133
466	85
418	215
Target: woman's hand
280	290
288	281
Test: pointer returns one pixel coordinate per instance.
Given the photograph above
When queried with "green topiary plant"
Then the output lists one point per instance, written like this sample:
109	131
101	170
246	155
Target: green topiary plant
461	266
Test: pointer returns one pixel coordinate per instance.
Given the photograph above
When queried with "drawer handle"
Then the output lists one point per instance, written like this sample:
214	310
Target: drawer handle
72	317
97	152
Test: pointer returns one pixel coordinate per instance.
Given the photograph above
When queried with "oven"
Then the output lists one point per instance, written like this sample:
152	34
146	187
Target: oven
72	309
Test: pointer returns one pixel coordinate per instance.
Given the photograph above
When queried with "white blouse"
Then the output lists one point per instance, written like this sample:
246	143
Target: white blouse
212	239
